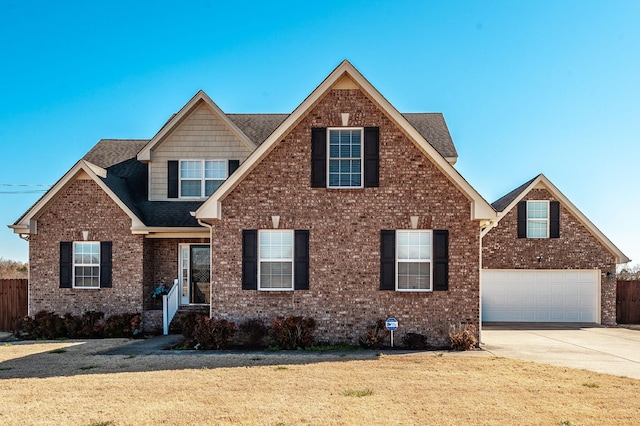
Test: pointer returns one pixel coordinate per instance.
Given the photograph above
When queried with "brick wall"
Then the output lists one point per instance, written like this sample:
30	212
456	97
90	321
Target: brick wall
84	206
576	248
344	296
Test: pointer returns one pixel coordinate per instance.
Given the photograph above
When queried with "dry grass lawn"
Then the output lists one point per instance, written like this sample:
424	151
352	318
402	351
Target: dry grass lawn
76	386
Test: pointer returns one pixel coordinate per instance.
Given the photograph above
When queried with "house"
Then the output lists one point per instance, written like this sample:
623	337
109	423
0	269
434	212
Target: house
544	261
345	210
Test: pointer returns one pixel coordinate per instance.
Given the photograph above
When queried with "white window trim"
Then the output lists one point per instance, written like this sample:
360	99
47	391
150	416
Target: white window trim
430	261
260	233
203	180
547	220
361	129
74	264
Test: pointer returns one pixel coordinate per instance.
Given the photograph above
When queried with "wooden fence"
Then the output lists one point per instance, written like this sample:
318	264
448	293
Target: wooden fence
13	303
628	302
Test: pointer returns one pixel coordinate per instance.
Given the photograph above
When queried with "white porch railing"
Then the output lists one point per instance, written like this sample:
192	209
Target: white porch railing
170	306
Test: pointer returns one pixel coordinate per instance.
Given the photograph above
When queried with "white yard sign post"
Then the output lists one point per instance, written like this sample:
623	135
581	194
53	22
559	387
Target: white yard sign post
392	325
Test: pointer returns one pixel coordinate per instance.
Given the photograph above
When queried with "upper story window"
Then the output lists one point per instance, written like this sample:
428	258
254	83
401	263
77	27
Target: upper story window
86	264
537	219
199	178
414	253
345	152
275	254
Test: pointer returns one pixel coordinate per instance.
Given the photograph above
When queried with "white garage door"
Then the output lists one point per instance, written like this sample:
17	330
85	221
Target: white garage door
540	295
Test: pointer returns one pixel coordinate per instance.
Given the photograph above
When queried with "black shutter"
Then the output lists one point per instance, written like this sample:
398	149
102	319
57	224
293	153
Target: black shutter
371	157
522	219
233	166
387	260
66	264
319	157
105	264
554	219
301	259
172	179
440	260
249	259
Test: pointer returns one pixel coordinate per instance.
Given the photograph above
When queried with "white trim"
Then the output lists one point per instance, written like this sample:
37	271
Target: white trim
211	208
81	168
91	265
203	179
260	260
329	159
547	220
430	260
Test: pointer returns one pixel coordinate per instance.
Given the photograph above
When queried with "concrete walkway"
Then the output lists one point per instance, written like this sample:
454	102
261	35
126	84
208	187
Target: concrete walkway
592	347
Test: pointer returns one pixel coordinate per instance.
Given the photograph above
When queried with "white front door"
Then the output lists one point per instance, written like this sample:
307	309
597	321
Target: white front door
194	271
527	295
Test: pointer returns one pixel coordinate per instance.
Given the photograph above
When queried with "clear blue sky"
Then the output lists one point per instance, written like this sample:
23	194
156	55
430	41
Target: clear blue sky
526	87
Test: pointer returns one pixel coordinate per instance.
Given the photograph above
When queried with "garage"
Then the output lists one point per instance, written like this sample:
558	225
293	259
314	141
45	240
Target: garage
525	295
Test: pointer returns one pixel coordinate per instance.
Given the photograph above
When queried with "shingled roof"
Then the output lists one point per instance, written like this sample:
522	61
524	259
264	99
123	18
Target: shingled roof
503	202
128	178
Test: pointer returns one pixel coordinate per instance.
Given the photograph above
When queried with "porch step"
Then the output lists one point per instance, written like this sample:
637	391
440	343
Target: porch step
175	327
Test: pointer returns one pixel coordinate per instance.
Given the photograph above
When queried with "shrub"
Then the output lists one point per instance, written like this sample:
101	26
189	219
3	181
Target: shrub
463	338
293	332
44	325
415	341
188	324
213	333
252	332
123	325
374	337
48	325
92	324
72	325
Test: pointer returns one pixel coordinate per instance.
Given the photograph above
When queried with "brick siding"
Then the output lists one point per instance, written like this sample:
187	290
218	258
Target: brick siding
576	248
344	296
84	206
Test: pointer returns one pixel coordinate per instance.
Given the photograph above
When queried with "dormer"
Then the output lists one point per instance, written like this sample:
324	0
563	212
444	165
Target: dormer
194	152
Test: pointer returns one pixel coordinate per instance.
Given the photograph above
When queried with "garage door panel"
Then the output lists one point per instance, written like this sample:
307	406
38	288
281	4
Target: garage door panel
540	295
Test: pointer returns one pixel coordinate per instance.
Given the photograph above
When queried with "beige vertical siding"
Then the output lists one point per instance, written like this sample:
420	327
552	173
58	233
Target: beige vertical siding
202	135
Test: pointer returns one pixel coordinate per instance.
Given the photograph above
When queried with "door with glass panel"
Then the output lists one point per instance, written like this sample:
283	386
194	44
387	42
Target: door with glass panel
195	272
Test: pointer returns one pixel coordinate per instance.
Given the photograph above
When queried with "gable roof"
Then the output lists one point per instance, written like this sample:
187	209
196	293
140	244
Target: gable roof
26	223
480	209
506	203
199	98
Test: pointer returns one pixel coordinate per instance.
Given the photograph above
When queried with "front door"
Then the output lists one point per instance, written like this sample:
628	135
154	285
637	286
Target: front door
195	271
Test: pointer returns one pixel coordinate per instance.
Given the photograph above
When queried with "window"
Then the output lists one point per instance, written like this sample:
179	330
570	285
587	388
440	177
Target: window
275	254
537	219
345	150
413	260
86	264
199	178
416	260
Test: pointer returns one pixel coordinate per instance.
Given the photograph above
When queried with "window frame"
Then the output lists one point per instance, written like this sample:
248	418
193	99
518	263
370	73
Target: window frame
91	265
290	260
546	220
329	158
430	260
202	179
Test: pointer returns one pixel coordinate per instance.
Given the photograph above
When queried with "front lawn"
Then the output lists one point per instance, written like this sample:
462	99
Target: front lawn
68	383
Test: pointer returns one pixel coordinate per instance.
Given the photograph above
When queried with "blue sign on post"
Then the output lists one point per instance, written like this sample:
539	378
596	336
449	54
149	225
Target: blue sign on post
391	324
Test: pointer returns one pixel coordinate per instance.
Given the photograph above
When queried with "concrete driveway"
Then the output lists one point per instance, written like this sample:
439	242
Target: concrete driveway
589	346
